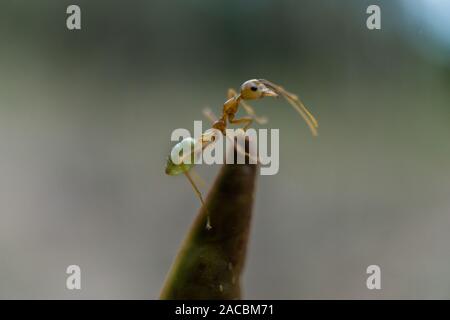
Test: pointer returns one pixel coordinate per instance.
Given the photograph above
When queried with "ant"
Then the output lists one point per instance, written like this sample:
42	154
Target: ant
250	90
257	89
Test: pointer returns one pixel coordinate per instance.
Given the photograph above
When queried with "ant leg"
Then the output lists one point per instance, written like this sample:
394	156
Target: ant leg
209	114
208	136
199	181
247	120
231	93
199	195
248	108
251	112
242	151
194	186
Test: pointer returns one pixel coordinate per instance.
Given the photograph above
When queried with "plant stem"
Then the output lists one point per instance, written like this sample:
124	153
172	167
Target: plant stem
210	261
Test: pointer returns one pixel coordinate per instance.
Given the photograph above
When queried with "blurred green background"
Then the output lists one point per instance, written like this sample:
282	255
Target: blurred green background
86	118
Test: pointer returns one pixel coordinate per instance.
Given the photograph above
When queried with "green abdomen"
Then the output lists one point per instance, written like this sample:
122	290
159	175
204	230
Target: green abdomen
174	169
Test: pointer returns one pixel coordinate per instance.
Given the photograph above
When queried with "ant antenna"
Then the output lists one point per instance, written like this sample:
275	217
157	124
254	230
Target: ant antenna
298	105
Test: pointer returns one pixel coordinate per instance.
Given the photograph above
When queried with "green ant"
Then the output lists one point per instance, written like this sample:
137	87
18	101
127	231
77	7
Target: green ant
250	90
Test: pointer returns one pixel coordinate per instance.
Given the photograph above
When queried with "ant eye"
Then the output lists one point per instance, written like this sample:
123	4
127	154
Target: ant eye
253	88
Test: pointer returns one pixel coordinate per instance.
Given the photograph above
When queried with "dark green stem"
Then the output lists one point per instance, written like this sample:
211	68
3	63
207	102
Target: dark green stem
210	262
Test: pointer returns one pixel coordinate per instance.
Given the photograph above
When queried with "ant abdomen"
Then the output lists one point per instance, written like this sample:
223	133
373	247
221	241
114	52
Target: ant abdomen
182	157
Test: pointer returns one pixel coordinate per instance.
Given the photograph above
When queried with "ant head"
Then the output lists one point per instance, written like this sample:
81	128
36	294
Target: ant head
255	89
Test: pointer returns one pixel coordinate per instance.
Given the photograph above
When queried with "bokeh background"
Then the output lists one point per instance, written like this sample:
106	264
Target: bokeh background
86	118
